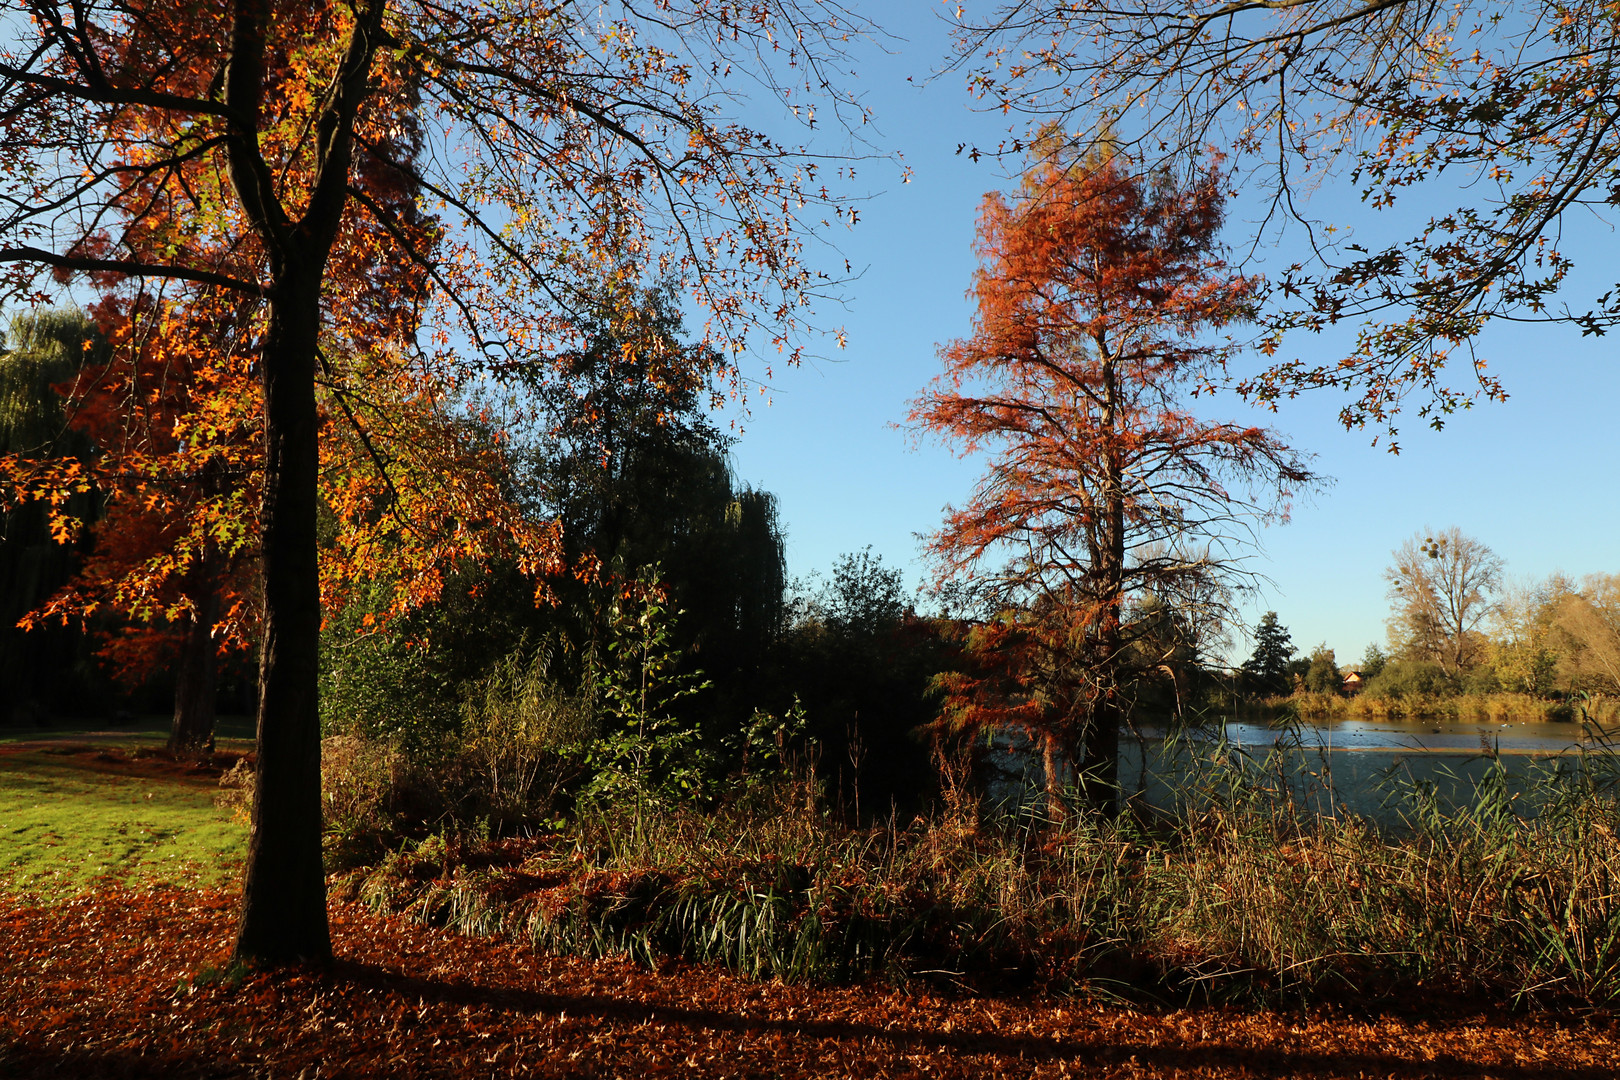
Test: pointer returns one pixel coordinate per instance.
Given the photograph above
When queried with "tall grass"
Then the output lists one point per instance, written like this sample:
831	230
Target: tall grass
1236	893
1461	708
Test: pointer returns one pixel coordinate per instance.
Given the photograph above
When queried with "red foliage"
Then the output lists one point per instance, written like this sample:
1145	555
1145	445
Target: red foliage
118	984
1098	291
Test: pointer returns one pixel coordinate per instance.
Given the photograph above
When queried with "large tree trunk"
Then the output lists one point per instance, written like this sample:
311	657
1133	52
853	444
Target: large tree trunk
197	681
284	893
1099	765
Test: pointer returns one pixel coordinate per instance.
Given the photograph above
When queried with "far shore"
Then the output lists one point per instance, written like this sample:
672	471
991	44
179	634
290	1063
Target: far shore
1459	708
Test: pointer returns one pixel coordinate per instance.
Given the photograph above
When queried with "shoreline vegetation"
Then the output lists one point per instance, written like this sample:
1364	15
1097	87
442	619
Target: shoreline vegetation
1462	708
1237	895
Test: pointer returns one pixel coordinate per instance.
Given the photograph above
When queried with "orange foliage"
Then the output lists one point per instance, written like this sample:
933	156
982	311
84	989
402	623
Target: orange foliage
176	413
173	415
1097	293
286	151
419	489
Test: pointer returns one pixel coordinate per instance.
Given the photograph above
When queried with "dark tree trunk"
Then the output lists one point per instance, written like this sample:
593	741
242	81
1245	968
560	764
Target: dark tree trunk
197	681
284	891
1099	766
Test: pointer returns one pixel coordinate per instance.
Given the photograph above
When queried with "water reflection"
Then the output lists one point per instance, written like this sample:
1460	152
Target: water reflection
1410	736
1370	768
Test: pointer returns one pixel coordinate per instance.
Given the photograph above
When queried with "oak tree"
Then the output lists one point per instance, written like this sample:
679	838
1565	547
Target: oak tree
1098	294
247	136
1512	104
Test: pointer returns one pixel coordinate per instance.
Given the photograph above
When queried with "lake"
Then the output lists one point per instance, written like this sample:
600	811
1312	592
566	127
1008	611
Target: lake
1365	767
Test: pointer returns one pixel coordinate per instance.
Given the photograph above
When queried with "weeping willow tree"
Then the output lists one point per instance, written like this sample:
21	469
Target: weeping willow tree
626	458
39	352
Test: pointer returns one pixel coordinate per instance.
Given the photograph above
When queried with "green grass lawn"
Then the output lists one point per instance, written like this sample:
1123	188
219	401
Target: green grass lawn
149	729
72	815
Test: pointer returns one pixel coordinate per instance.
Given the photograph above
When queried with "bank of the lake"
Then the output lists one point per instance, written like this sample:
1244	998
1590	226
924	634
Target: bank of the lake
1499	708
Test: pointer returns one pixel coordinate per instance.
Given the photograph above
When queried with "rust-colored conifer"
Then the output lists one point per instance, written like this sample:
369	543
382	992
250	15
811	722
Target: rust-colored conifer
1098	294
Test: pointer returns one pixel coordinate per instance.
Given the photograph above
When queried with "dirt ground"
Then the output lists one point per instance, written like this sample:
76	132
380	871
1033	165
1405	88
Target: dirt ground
103	752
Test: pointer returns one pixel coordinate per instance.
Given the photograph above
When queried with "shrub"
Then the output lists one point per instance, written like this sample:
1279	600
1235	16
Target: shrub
360	782
521	738
1235	894
1411	678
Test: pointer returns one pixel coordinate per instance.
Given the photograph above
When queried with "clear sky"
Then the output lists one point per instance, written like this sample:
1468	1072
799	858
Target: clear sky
1534	478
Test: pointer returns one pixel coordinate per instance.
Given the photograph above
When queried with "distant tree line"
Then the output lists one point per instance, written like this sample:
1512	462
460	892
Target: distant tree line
1456	625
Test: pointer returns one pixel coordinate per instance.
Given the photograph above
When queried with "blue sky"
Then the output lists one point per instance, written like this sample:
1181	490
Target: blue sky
1533	478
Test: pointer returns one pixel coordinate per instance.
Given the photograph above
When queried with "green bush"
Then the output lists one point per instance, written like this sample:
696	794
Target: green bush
1411	678
510	762
383	686
516	759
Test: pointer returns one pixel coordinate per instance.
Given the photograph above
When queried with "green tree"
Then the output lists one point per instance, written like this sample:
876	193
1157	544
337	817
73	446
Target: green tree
1372	662
627	462
1323	677
1266	669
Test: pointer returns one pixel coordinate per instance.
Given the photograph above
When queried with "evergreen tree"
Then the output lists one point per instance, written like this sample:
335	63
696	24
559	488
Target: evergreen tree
1266	672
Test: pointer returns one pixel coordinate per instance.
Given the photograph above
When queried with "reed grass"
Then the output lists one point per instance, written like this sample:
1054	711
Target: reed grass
1459	708
1239	893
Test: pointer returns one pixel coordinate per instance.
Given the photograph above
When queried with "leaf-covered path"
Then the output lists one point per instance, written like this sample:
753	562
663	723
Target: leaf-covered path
103	985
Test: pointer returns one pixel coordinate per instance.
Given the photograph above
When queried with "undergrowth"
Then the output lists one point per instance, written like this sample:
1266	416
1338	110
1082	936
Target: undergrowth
1236	895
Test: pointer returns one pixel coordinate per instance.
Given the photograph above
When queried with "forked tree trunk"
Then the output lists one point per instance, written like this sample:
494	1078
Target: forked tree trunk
284	891
191	735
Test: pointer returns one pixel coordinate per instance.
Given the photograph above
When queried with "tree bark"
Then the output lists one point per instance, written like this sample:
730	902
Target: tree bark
1056	766
284	892
1098	768
1099	765
191	735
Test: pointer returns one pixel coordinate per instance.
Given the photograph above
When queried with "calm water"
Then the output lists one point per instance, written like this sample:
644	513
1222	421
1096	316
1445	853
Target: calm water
1370	768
